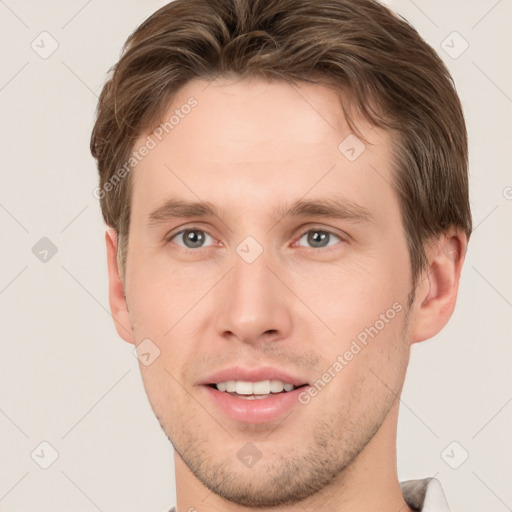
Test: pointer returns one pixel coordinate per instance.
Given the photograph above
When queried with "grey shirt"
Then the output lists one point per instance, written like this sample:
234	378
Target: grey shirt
425	495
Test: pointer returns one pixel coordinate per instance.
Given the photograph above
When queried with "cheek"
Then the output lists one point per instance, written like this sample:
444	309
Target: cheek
167	306
351	296
160	294
363	304
364	369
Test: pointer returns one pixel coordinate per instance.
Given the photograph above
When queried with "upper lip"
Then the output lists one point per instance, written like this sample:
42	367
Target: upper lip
253	375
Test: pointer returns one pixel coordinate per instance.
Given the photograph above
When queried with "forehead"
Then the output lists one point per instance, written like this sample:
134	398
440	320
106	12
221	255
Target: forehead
243	141
236	119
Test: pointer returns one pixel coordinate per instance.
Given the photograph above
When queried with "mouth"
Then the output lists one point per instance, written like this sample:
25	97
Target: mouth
253	396
259	390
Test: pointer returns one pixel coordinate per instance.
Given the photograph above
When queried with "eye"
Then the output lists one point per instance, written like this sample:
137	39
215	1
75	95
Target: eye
194	238
318	238
191	238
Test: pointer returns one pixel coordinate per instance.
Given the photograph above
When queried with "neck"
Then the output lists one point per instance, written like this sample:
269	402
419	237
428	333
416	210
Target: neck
369	483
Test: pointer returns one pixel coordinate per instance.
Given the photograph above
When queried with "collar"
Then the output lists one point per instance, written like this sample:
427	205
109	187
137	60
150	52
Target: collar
425	495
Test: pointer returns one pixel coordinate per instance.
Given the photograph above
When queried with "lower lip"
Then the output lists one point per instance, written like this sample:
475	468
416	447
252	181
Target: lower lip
259	410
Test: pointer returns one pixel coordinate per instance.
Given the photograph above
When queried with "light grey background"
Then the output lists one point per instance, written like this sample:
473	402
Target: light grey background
65	376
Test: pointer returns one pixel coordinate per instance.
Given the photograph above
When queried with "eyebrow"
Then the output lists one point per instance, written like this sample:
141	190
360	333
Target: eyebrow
332	207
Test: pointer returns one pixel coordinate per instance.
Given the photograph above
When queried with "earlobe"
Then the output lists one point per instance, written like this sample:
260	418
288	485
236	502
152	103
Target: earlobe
117	299
438	287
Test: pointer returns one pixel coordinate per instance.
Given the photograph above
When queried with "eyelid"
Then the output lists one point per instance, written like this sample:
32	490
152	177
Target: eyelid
169	237
343	237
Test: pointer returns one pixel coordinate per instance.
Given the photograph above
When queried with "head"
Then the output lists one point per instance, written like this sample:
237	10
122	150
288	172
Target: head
325	148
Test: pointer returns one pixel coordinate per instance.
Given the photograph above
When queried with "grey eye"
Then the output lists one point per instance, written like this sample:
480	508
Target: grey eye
192	238
318	238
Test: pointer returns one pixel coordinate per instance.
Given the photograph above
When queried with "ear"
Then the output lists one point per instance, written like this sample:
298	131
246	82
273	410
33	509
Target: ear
116	295
437	290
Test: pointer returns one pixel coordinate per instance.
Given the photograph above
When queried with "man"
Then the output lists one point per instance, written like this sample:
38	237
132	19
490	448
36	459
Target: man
285	185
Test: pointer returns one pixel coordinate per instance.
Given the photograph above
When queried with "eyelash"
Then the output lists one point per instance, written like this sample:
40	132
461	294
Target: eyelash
199	250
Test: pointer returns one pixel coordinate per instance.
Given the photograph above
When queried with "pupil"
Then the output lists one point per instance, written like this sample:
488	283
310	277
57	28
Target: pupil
195	239
318	240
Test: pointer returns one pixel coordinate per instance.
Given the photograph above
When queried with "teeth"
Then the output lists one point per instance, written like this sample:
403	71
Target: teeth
262	387
276	386
244	388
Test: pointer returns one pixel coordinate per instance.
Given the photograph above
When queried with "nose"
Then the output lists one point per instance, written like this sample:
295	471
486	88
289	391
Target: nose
253	303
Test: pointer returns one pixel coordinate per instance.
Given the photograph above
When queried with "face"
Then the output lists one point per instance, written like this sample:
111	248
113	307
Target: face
295	270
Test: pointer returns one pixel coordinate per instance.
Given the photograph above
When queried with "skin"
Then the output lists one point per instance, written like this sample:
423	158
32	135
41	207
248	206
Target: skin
248	146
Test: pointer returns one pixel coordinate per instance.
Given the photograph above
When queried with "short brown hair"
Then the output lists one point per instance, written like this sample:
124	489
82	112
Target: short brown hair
394	78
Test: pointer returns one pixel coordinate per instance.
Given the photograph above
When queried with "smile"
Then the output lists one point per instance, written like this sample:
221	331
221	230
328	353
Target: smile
253	390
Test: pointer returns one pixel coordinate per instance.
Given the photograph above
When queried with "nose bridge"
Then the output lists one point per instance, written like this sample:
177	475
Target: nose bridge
251	302
250	275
